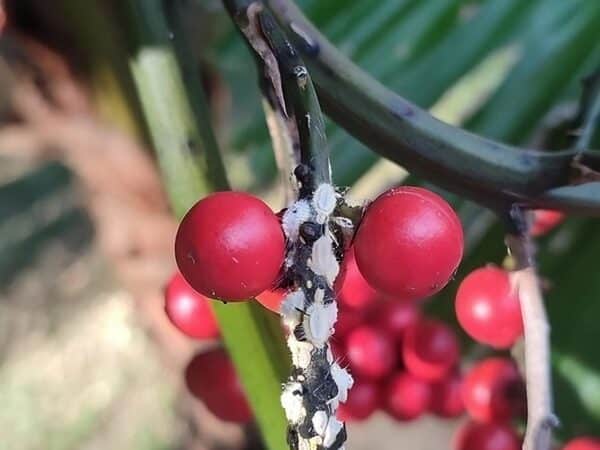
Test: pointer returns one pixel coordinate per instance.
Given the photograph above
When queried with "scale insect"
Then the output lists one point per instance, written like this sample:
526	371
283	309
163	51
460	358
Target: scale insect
323	261
293	217
324	202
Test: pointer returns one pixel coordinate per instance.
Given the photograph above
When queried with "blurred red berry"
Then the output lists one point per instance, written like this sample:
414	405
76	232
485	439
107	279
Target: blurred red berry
211	377
353	290
545	220
347	321
488	309
394	317
406	397
430	349
409	243
446	396
494	391
271	299
363	400
370	352
338	349
230	246
583	443
486	436
189	311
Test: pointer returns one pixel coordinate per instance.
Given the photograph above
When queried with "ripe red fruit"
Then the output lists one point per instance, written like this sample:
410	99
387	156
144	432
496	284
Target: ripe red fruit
353	290
430	349
363	400
406	397
583	443
409	243
347	321
271	299
211	377
395	317
486	436
230	246
446	396
370	352
488	309
493	390
189	311
338	349
545	220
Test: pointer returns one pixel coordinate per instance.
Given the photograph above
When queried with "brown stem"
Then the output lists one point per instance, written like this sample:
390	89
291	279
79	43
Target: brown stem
540	416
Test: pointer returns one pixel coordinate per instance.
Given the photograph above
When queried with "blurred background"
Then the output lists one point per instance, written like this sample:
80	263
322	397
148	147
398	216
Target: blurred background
87	358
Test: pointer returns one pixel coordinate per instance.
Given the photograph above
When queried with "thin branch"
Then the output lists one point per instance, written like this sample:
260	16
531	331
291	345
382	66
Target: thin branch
492	173
317	384
540	416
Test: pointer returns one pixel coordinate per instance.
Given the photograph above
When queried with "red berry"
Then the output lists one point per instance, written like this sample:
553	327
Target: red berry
409	243
189	311
395	317
347	321
406	397
446	398
488	309
211	377
271	299
370	352
493	390
230	246
545	220
583	443
430	349
338	349
486	436
353	290
363	400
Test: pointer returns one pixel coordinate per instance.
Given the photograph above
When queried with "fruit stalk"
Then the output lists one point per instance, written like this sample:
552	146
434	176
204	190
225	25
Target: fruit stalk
317	384
540	415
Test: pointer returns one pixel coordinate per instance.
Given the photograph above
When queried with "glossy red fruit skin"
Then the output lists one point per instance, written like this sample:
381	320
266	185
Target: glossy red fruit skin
406	397
230	246
430	349
211	378
395	317
189	311
353	290
488	309
545	220
409	243
363	400
370	353
446	396
583	443
271	299
493	390
486	436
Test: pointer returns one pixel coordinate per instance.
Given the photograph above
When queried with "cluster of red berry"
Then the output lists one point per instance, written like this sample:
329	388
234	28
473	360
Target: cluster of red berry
407	365
231	246
210	375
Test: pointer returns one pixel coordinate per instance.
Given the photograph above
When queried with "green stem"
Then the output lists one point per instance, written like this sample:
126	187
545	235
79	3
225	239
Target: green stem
484	170
301	98
175	109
